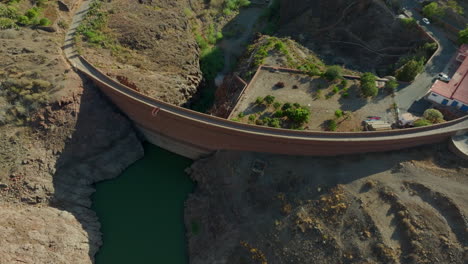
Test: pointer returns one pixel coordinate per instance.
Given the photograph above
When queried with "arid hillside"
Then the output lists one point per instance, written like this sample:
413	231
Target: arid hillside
363	35
149	44
400	207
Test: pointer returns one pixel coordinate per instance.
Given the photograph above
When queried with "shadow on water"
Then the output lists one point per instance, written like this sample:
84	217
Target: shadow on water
142	211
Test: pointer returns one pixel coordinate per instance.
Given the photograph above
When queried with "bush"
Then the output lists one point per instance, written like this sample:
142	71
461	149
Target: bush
259	122
44	22
259	100
298	115
433	10
335	90
252	117
333	73
286	106
297	105
433	116
408	72
463	36
338	113
32	13
422	122
23	20
279	113
331	125
241	115
276	105
211	62
345	95
343	84
269	99
280	84
6	23
391	86
368	86
274	122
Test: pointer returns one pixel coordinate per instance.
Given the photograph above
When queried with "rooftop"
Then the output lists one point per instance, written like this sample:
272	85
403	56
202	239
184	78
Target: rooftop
457	87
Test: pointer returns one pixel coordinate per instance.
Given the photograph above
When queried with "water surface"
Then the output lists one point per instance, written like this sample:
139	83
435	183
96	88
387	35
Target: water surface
141	212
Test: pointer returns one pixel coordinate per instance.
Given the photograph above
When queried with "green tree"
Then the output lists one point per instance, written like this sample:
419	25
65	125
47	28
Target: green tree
298	115
368	86
433	115
391	85
269	99
463	36
44	22
408	72
433	10
422	122
333	73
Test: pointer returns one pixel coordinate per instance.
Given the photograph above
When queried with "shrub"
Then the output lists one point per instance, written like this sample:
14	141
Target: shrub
251	117
297	105
241	115
331	125
269	99
286	106
368	86
318	94
32	13
433	10
274	122
298	115
23	20
338	113
8	12
211	62
44	22
422	122
343	84
276	105
6	23
433	115
391	86
333	73
259	122
335	90
408	72
345	95
259	100
279	113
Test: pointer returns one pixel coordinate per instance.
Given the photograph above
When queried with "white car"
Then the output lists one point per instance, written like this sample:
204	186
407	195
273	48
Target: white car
426	21
443	77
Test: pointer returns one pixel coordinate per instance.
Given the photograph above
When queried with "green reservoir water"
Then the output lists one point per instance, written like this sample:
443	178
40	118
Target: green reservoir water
141	212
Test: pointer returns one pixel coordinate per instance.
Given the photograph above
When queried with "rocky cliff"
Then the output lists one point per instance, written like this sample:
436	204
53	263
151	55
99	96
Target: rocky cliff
59	135
364	35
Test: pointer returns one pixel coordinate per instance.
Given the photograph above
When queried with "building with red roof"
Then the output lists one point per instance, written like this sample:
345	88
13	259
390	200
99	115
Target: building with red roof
455	92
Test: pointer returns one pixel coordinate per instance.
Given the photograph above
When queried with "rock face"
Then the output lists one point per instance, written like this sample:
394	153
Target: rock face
162	56
397	207
52	151
363	35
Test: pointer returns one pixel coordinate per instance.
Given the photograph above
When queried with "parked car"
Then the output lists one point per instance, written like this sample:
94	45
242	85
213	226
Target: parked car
426	21
443	77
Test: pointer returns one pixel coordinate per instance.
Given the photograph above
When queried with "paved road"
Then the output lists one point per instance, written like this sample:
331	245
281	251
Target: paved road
210	121
410	98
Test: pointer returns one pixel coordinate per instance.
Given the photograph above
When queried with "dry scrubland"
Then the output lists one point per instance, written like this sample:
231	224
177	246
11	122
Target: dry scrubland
399	207
57	138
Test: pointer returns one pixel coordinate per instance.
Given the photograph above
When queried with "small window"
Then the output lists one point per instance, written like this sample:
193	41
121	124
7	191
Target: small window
454	103
435	95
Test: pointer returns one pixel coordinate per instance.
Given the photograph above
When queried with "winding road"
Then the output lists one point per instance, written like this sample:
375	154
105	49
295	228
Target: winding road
193	134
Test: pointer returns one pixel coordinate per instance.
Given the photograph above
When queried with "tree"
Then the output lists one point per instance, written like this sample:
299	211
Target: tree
422	122
298	115
368	86
433	10
269	99
333	73
408	72
391	85
463	36
433	115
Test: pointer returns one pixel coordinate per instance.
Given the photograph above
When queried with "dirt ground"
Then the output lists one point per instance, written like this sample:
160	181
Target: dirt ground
399	207
321	108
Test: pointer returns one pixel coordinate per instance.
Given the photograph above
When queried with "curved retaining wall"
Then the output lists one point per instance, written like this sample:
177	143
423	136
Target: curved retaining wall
194	134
